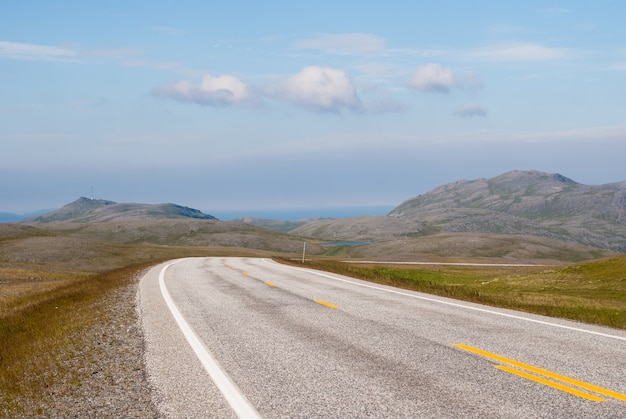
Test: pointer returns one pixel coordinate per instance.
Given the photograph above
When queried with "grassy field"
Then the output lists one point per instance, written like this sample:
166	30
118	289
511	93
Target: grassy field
593	292
52	289
54	285
41	322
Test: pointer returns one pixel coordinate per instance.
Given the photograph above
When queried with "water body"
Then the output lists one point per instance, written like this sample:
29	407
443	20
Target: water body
301	213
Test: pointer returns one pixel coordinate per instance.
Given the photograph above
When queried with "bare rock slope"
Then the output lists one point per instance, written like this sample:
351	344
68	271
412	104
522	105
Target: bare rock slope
85	210
522	203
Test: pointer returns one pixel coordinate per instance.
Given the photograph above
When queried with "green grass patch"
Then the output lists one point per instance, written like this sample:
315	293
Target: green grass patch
592	292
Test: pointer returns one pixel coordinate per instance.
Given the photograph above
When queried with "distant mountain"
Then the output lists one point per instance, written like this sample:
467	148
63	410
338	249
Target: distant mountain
86	210
528	203
9	217
523	203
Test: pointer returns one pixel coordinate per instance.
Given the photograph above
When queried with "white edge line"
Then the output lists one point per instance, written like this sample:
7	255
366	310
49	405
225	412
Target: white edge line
515	265
462	305
233	395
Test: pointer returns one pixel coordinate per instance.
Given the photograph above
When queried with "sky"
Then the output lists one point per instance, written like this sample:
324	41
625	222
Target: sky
266	105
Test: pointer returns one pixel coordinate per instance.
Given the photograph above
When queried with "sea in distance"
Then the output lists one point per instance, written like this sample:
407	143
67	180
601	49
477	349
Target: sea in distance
293	214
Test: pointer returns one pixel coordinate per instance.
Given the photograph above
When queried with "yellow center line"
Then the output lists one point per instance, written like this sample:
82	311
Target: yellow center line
540	371
553	384
324	303
246	273
271	284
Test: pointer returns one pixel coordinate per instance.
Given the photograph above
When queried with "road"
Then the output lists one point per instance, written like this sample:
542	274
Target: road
229	337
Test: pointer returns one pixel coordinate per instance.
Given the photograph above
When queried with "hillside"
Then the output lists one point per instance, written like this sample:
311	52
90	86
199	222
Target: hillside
85	210
529	203
519	203
276	225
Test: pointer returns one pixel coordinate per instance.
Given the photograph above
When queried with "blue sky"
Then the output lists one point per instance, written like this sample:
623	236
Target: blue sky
247	105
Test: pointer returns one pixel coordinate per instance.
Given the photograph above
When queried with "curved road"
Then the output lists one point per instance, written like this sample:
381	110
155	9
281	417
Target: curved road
228	337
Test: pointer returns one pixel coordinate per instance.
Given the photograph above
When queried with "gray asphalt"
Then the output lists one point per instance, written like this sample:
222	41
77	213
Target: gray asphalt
364	350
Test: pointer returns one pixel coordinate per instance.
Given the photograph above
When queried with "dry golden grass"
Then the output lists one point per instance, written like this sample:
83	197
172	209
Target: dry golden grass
36	338
21	288
53	287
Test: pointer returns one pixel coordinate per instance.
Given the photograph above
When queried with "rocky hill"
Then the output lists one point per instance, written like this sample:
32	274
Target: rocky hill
85	210
527	203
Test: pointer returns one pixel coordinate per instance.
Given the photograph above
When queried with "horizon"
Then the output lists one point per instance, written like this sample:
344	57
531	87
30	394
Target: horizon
288	213
231	214
278	214
285	213
300	105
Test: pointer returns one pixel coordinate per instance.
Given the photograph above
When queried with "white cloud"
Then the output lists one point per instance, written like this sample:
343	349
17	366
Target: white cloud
433	78
318	88
521	52
470	110
345	43
22	51
223	90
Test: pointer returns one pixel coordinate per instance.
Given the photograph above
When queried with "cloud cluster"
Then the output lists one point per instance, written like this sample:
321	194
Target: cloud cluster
211	91
314	88
433	78
318	88
470	110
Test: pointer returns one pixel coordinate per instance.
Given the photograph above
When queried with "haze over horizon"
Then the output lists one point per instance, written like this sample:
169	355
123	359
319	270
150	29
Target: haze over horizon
320	105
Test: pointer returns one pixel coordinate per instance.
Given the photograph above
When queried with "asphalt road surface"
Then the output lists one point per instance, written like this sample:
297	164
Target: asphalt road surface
244	337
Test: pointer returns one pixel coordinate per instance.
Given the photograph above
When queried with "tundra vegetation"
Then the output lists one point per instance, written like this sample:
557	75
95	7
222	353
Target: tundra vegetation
68	278
57	289
59	300
590	292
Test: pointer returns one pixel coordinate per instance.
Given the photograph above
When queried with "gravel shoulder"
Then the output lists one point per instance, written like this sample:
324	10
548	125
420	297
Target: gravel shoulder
103	368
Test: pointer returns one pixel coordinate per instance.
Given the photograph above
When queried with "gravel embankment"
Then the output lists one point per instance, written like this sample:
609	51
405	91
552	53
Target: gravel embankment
103	370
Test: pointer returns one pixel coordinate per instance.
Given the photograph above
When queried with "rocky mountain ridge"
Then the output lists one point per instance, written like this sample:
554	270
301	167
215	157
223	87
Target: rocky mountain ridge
528	203
85	210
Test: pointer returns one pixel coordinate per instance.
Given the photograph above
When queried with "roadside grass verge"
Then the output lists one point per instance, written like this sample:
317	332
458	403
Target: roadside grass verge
593	292
37	337
49	309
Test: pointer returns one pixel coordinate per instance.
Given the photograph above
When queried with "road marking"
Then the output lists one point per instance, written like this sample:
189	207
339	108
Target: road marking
233	395
246	273
510	265
271	284
540	371
324	303
449	303
552	384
